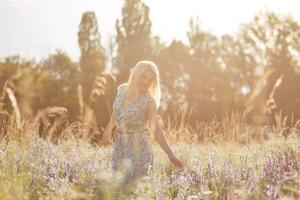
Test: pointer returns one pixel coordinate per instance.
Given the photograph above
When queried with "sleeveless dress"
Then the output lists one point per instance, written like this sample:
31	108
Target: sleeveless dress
132	153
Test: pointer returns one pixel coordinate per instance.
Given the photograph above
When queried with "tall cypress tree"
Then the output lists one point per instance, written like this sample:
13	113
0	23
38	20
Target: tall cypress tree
133	37
92	60
98	84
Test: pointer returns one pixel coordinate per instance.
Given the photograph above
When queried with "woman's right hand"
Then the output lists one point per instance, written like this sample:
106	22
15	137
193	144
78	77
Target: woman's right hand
105	138
106	134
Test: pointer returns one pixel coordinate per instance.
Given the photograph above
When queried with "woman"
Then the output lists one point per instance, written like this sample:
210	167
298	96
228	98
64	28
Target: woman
135	114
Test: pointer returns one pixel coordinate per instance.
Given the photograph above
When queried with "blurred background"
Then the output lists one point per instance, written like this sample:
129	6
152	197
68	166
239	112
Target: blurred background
65	58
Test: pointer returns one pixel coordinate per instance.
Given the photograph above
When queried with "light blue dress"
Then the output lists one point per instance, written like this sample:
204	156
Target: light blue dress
132	151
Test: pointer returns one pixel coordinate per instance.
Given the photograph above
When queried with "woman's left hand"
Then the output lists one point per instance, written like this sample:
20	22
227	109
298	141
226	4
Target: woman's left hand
176	162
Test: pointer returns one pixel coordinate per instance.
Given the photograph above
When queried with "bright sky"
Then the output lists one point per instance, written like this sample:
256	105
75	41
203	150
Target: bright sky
35	28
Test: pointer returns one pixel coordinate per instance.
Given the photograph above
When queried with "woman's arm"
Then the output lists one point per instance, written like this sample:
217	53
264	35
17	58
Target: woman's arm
108	129
159	135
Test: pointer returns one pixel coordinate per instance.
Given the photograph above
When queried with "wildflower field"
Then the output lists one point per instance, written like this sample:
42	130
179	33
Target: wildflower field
222	81
216	167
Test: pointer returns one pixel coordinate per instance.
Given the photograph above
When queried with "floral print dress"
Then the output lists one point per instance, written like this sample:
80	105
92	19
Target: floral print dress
132	151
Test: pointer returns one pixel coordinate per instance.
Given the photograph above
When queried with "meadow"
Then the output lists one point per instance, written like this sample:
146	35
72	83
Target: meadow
54	106
223	160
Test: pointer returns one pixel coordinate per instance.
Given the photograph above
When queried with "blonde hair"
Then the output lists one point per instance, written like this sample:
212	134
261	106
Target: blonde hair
154	88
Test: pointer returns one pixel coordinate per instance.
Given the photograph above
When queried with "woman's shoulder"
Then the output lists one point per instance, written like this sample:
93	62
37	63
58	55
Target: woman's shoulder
122	87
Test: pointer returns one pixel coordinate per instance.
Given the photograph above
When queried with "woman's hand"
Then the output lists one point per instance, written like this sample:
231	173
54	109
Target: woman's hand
176	162
106	135
105	138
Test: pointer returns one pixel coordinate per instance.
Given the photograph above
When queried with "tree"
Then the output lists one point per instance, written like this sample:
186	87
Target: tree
98	84
239	63
57	79
239	70
133	37
173	62
276	39
92	60
9	69
15	90
208	89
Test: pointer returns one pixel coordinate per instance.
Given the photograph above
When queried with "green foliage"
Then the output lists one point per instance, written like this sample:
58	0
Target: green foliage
211	75
102	97
56	81
173	62
16	73
98	84
92	60
275	41
133	37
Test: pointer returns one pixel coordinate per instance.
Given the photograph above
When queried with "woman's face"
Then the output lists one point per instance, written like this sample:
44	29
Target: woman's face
145	80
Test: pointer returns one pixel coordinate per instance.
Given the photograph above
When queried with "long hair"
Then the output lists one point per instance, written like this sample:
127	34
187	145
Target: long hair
154	88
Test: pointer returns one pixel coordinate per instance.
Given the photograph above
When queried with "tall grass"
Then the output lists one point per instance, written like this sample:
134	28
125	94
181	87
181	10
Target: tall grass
232	128
226	159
